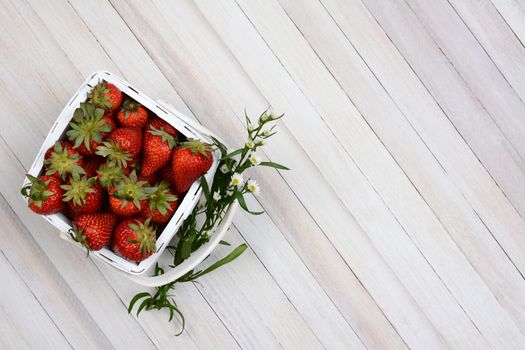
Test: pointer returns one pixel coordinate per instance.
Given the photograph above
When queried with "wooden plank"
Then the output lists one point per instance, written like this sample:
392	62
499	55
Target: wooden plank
10	337
260	15
46	284
473	70
463	170
273	327
514	15
34	328
451	208
498	40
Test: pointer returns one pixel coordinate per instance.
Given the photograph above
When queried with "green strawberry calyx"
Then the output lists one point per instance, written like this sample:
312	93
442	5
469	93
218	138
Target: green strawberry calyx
87	124
165	137
99	95
130	106
161	197
197	146
146	237
77	234
37	192
114	153
77	189
129	189
109	175
62	162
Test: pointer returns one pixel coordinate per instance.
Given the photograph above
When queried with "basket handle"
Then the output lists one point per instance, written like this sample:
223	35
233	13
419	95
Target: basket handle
195	259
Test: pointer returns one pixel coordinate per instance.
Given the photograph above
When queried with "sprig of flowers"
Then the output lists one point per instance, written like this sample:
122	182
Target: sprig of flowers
228	185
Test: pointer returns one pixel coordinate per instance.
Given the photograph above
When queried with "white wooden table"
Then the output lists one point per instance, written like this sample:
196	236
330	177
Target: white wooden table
401	224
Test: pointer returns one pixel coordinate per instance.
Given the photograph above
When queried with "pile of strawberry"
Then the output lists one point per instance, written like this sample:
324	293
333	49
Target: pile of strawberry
119	176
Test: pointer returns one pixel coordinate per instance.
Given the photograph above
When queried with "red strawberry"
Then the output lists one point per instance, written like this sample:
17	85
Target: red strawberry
123	145
167	174
83	195
91	165
161	204
151	180
132	114
134	239
129	195
109	175
62	160
161	124
106	96
45	194
93	231
190	161
88	128
158	148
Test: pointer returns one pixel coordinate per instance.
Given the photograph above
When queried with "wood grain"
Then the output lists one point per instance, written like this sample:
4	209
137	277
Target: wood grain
400	224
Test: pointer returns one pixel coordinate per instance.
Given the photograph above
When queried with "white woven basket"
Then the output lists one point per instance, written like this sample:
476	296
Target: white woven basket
140	272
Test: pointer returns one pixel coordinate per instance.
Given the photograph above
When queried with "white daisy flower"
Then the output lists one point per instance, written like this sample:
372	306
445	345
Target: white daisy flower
237	180
229	193
253	187
250	144
224	169
216	196
255	159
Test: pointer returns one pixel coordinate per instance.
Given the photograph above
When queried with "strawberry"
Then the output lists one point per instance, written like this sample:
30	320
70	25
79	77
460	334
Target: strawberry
62	160
151	180
132	114
161	124
44	194
162	203
167	174
83	195
190	161
109	175
134	239
88	127
93	231
123	145
91	165
158	148
129	195
107	96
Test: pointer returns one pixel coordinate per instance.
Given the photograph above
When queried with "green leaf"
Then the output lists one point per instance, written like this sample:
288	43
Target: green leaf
135	299
242	203
205	189
234	254
78	114
183	321
224	243
145	303
99	112
233	154
274	165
